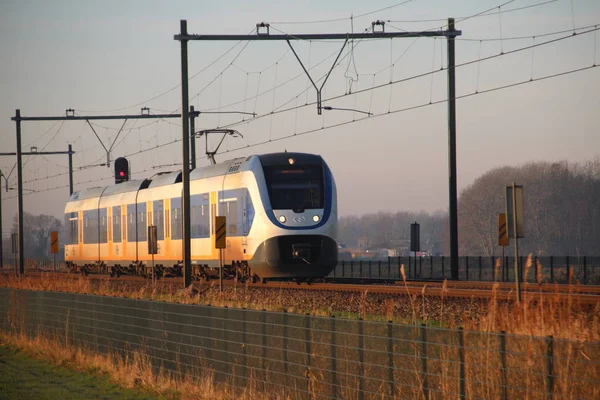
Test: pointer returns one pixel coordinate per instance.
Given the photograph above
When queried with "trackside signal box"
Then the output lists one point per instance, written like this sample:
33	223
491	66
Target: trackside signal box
121	170
415	240
152	240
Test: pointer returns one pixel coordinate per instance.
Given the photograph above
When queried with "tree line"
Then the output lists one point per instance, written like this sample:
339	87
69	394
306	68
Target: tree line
561	215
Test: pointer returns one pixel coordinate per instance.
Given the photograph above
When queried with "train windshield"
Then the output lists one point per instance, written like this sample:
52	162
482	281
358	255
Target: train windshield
295	187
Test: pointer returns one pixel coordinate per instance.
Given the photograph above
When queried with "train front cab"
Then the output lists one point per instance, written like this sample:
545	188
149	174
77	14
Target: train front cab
299	197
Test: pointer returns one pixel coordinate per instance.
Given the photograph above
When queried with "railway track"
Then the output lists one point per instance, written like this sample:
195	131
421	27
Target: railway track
584	295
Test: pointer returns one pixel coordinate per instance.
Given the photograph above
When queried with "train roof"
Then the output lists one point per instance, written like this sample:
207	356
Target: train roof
168	178
130	186
225	167
165	178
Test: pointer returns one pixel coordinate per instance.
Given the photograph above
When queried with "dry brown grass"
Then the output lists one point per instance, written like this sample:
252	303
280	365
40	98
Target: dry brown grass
134	371
534	316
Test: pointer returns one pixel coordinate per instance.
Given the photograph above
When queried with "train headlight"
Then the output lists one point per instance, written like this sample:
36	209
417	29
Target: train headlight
282	219
291	161
316	218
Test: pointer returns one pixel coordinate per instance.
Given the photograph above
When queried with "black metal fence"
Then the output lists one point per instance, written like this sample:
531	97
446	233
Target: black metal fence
585	270
309	357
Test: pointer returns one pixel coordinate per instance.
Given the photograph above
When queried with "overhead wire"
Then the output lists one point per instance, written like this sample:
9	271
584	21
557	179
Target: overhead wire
423	105
483	14
171	89
234	124
323	21
416	76
476	92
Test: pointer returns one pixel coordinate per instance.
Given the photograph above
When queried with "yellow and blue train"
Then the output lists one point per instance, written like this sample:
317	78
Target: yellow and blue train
281	211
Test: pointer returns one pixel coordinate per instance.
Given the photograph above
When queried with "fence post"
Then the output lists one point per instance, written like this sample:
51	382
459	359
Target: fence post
370	276
390	351
285	347
420	267
503	363
424	360
343	269
352	269
308	341
264	348
550	365
480	268
552	269
568	271
467	266
430	267
585	281
246	373
461	362
537	268
361	359
333	360
443	273
389	267
360	269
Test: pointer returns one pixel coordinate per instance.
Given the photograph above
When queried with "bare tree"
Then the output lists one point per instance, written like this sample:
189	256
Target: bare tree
36	233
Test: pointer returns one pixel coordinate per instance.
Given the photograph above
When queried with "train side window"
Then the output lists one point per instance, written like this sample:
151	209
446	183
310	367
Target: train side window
232	217
72	224
142	230
131	223
116	224
102	225
158	218
176	222
205	221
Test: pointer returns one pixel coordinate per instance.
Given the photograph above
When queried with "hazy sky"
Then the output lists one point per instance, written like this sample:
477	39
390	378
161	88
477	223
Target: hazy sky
117	56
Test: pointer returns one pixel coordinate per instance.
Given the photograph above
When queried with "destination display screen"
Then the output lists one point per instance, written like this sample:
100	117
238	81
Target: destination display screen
295	187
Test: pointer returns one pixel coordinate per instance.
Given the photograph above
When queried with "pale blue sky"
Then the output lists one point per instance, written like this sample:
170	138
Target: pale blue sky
99	56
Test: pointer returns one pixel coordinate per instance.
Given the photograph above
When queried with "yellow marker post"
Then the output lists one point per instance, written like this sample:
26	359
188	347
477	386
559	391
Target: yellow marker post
54	245
220	232
502	230
220	243
54	242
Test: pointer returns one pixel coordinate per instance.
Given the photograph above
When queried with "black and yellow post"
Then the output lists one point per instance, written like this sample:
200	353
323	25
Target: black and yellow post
152	247
502	234
54	246
220	243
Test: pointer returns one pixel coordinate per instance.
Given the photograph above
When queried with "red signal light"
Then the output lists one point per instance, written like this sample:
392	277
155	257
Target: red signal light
122	173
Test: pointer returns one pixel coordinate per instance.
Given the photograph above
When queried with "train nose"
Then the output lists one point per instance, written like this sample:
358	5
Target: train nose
293	256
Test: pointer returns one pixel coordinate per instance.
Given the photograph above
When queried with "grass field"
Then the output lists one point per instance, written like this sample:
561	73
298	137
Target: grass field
25	377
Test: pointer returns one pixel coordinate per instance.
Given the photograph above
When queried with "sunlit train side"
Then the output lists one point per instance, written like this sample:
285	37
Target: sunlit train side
281	214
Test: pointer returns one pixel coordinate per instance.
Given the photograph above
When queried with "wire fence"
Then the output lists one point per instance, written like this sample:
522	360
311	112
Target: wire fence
548	269
310	357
